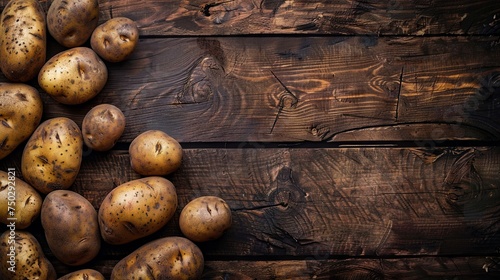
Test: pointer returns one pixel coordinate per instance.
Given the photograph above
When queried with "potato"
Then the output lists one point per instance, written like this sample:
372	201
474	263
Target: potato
23	43
155	153
71	227
102	126
19	201
116	39
20	114
165	258
52	156
71	22
83	274
136	209
205	218
22	257
73	76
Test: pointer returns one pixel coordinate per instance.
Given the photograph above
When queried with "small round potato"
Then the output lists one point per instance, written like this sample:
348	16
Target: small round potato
205	218
73	76
52	156
71	228
20	114
22	257
155	153
27	201
83	274
137	209
165	258
115	39
102	126
23	40
71	22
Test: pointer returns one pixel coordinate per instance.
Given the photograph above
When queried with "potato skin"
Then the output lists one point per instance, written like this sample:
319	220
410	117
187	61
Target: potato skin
155	153
71	22
136	209
83	274
205	218
21	111
52	156
23	40
73	76
165	258
28	202
102	126
116	39
71	227
30	260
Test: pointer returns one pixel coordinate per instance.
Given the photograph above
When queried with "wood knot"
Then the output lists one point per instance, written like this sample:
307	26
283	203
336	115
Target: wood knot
287	193
199	86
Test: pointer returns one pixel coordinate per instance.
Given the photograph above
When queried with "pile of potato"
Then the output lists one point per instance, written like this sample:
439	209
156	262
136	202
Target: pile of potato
53	150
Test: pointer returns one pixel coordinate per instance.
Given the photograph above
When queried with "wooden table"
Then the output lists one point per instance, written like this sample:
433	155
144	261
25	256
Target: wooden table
352	139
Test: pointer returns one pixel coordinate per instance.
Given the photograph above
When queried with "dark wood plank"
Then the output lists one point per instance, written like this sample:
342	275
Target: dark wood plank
348	17
332	202
277	89
484	268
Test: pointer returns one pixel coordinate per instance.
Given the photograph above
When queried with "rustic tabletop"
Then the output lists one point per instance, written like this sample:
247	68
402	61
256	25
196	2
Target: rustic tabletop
351	139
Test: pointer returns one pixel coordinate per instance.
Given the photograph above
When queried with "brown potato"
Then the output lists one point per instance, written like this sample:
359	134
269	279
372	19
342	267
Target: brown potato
73	76
22	257
21	112
23	43
116	39
83	274
205	218
71	227
71	22
19	200
102	126
155	153
137	209
165	258
52	156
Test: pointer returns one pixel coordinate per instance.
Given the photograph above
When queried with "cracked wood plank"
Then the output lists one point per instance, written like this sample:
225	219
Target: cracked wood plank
280	89
357	202
346	17
316	267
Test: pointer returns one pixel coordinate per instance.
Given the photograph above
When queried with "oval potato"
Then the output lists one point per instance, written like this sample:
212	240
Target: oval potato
52	156
115	40
23	43
205	218
165	258
28	202
73	76
71	228
27	257
71	22
83	274
102	126
155	153
21	111
136	209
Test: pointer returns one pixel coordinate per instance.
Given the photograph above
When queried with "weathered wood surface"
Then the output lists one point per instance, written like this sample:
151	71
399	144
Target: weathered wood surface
429	268
339	17
322	204
306	89
330	127
335	202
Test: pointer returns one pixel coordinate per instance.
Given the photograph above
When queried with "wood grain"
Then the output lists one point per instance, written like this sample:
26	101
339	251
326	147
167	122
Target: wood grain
431	268
277	89
291	203
301	203
339	17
